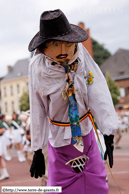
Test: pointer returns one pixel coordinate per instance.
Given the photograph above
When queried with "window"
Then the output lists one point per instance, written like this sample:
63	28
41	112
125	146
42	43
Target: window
12	106
18	89
122	92
121	72
126	91
5	94
11	90
6	107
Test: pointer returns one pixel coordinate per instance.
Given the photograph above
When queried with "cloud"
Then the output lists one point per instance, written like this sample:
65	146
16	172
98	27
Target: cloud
107	22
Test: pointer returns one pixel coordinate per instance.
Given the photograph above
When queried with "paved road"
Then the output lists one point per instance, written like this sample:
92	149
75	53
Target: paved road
19	172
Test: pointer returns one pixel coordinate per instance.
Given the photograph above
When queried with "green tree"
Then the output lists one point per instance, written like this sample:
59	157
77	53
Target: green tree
99	52
24	102
114	89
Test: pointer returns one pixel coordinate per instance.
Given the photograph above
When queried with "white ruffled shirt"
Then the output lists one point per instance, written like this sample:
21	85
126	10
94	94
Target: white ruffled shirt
46	83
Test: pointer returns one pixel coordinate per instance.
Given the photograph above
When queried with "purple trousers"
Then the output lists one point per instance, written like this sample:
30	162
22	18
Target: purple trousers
92	180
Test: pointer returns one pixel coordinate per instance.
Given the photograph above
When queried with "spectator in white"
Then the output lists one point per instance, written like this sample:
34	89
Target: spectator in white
9	137
17	135
3	169
125	122
27	139
118	134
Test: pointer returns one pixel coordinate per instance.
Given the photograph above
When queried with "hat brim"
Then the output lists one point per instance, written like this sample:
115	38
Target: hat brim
76	34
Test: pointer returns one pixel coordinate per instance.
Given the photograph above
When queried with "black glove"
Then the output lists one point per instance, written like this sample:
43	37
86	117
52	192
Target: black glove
109	148
38	164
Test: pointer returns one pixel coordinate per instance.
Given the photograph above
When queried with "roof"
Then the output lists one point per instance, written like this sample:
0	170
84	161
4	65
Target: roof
117	65
20	69
121	77
121	105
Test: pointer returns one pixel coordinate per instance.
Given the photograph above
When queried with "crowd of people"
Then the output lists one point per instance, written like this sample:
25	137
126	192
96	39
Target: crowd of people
123	118
123	121
14	133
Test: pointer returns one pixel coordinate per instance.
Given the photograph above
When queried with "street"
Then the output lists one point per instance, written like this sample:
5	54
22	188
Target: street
19	172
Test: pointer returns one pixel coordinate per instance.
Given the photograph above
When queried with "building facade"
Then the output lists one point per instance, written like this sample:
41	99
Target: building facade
123	83
118	67
13	85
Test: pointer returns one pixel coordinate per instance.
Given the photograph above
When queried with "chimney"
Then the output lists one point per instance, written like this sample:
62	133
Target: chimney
9	68
81	25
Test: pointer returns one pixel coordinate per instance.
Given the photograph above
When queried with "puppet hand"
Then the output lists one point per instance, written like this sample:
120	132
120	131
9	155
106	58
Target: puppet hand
109	148
38	164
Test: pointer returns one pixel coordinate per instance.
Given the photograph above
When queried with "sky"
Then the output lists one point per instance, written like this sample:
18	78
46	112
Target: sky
19	22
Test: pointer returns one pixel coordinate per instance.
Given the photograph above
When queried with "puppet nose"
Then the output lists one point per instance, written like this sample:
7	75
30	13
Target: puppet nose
63	50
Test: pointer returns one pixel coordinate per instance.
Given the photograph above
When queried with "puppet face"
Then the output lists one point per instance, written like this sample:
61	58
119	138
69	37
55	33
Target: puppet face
60	51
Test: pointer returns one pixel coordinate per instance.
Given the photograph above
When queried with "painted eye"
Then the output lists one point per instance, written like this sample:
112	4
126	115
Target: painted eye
68	44
56	43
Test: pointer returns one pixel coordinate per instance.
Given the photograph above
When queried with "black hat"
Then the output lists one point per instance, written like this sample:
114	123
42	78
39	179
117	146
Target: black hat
55	26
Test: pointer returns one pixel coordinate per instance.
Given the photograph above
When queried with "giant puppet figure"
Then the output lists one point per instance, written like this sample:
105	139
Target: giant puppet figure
66	85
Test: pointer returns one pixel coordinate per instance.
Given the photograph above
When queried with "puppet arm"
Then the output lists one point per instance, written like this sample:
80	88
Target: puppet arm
99	97
39	124
100	103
